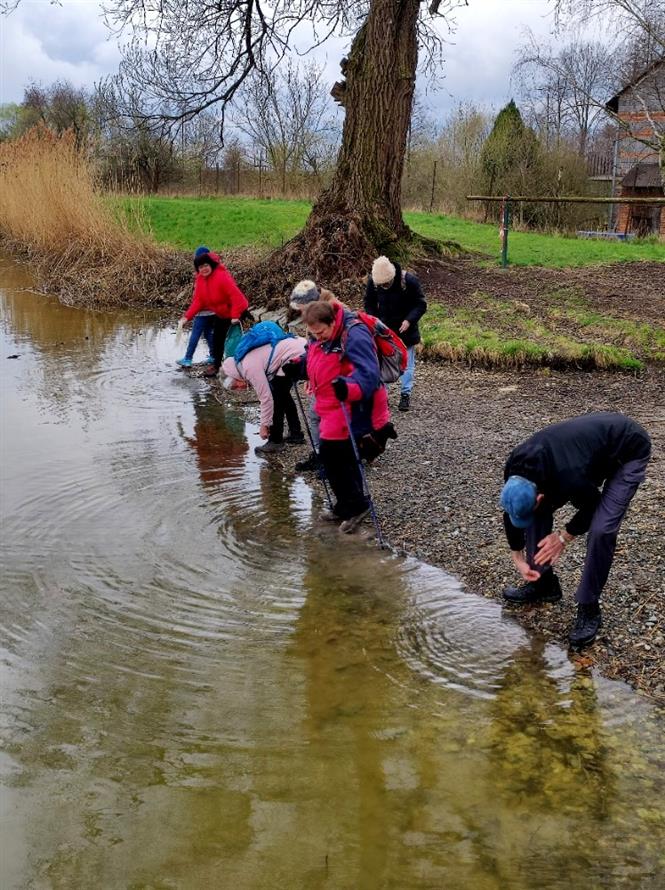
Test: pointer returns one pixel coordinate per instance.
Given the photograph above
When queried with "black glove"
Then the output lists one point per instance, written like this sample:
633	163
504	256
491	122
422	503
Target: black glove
340	388
292	369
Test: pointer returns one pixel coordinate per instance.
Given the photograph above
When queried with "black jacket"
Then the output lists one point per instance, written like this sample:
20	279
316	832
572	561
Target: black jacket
398	303
569	461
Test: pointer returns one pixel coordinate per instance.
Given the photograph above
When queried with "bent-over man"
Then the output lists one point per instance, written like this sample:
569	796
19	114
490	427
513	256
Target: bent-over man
568	463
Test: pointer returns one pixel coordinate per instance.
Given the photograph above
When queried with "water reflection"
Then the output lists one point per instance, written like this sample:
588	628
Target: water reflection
203	686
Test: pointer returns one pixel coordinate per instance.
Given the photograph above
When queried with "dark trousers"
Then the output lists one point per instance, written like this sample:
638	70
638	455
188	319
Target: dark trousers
219	331
617	494
284	406
343	474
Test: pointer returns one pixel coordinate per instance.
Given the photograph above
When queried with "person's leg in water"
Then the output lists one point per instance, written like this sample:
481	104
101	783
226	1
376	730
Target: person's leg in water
209	325
296	435
220	330
198	326
406	380
343	474
311	462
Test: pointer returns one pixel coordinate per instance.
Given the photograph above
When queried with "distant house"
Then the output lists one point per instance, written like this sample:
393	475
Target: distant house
640	105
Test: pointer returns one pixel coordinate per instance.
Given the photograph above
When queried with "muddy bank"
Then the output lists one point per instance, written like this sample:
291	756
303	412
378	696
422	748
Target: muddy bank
437	490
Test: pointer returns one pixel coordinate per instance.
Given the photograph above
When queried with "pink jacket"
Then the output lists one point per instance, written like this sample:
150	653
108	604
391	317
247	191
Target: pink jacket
253	369
367	401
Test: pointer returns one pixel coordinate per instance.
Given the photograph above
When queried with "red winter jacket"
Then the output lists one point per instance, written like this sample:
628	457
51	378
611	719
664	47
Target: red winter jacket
358	364
218	293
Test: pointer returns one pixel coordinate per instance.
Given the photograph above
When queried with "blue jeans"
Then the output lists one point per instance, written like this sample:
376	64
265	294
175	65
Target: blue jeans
202	325
407	377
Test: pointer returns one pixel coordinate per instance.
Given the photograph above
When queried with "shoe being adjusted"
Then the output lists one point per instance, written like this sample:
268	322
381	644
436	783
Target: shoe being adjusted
309	465
351	524
294	438
269	448
184	362
587	625
404	402
546	589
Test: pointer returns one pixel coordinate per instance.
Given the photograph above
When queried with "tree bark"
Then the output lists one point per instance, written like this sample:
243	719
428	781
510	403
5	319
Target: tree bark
360	213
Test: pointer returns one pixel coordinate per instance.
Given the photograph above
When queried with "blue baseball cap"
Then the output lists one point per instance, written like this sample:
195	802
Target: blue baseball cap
518	499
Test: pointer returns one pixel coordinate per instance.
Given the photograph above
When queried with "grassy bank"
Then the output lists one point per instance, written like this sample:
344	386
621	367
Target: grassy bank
84	248
562	330
227	223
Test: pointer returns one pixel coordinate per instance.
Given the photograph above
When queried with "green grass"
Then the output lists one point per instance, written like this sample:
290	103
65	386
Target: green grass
494	333
225	223
531	248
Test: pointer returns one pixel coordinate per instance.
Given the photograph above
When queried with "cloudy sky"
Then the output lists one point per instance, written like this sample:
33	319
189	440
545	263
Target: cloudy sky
43	42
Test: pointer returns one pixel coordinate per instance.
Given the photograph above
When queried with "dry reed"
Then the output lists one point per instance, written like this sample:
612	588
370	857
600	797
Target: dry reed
82	248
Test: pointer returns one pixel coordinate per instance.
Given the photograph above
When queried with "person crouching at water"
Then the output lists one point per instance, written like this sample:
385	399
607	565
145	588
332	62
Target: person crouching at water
262	369
216	290
343	371
567	463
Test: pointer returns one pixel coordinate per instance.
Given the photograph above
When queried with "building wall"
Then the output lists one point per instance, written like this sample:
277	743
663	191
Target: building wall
631	109
626	221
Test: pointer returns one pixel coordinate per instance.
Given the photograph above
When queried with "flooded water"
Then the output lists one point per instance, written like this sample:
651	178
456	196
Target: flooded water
202	686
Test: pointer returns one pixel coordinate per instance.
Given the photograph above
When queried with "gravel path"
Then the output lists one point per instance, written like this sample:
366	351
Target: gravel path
437	491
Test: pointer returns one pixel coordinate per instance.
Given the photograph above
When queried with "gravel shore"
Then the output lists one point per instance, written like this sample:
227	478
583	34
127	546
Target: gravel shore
437	491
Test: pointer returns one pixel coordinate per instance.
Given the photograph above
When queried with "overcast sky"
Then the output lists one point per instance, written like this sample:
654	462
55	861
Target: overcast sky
43	42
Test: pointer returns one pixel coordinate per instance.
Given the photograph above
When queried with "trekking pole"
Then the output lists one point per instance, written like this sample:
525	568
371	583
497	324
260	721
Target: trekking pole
315	450
363	476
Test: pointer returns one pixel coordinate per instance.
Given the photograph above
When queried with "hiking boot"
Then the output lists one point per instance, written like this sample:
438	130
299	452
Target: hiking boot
328	515
269	448
546	590
587	625
309	465
294	438
184	362
211	371
404	402
348	526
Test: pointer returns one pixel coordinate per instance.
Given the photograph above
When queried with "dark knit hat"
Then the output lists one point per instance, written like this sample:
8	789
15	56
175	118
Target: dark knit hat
201	256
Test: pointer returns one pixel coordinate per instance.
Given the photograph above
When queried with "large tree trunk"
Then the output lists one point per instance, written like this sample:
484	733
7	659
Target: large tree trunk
377	96
360	215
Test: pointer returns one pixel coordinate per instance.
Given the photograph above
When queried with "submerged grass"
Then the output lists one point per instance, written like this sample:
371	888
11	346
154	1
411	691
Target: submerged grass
84	248
495	333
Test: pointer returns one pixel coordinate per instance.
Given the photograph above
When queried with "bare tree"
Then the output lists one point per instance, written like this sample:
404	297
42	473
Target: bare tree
639	29
287	115
560	85
188	57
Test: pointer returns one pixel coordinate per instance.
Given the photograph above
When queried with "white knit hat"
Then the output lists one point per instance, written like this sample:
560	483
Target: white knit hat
303	293
383	270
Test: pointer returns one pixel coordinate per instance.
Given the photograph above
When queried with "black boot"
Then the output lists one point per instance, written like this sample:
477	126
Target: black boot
404	402
296	438
545	590
309	465
587	625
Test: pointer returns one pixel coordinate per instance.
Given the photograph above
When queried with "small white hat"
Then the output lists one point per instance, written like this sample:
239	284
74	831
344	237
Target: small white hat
383	270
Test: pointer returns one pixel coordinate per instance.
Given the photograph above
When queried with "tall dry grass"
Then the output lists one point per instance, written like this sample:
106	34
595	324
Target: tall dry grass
82	247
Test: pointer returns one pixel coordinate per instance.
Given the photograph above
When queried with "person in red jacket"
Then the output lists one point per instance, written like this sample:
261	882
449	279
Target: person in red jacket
215	290
343	371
